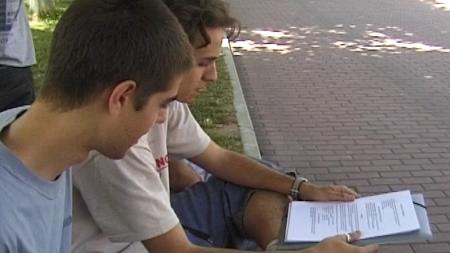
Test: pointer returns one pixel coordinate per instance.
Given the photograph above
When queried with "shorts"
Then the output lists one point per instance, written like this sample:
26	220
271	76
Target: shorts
16	87
211	213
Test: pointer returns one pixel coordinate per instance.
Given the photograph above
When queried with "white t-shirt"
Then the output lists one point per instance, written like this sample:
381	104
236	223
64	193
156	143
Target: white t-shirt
121	201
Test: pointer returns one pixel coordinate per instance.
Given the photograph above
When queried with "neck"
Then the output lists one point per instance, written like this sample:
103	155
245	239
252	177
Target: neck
48	141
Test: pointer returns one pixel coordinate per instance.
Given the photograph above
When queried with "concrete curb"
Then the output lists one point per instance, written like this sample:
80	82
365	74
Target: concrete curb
246	129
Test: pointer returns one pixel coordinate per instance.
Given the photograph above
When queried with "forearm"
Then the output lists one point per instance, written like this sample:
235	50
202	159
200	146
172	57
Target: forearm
241	170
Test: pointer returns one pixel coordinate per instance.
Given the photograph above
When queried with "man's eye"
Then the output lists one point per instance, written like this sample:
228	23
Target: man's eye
203	64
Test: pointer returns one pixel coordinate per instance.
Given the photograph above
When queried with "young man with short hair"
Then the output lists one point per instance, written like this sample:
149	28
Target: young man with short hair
126	206
114	66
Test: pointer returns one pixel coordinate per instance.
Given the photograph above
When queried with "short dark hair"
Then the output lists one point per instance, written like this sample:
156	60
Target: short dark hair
197	15
99	43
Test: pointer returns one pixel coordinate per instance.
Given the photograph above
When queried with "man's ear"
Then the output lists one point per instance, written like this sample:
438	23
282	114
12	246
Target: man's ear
120	95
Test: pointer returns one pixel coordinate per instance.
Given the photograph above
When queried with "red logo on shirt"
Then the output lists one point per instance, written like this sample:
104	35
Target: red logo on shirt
162	163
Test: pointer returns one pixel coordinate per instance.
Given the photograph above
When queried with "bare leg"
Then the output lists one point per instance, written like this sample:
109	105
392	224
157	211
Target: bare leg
263	216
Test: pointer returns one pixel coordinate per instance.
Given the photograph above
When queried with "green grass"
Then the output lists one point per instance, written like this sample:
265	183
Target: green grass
214	109
42	30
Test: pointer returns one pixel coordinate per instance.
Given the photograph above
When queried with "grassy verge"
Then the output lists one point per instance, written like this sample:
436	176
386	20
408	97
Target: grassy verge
214	110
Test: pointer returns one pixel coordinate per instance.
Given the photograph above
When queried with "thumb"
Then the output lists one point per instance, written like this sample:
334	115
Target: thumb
370	249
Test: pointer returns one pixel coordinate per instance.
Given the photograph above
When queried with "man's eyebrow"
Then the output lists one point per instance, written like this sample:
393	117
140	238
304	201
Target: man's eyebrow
207	58
212	58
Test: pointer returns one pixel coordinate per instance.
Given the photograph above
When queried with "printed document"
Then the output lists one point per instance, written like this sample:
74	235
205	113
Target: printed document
378	215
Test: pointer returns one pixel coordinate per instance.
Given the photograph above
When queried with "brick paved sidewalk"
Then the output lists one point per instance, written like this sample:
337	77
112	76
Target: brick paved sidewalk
353	92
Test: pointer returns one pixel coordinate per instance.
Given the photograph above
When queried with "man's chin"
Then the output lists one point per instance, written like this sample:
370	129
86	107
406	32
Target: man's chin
191	102
188	101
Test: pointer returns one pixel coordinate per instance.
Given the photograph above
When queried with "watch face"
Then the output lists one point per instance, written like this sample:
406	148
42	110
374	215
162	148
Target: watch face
303	179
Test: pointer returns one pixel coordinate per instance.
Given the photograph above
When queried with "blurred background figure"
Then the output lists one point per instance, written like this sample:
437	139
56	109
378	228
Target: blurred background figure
16	56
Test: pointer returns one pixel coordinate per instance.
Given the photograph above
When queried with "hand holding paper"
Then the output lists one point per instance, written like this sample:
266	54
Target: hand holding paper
374	216
339	243
421	234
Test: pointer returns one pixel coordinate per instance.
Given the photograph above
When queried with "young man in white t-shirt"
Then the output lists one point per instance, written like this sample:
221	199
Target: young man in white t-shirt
126	206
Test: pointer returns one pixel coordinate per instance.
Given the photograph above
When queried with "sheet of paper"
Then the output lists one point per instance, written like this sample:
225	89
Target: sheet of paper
374	216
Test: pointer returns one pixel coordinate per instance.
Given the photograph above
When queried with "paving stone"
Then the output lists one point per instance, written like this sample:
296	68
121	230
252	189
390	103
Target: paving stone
328	98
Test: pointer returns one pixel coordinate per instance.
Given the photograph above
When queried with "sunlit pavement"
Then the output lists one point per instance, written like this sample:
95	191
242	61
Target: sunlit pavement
354	92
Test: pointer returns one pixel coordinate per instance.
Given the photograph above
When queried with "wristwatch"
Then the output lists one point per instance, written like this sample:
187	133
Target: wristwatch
294	193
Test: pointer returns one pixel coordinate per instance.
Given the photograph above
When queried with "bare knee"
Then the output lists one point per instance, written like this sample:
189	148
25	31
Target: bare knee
263	216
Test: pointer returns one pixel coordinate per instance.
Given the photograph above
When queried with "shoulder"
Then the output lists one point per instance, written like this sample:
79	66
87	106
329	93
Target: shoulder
7	203
178	109
96	163
8	219
10	187
6	242
101	173
8	116
180	116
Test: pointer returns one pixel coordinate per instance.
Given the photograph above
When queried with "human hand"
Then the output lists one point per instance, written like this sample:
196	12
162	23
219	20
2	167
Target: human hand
342	244
310	191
